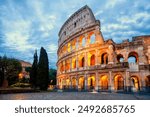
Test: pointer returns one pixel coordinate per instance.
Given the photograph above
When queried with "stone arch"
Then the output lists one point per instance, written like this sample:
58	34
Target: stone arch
82	62
73	63
67	83
81	83
92	60
92	38
74	81
147	81
67	66
103	82
83	41
135	83
69	47
104	58
120	58
133	57
91	82
118	82
61	67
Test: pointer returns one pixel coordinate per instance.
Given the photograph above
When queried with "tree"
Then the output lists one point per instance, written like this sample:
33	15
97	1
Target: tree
9	70
1	72
43	70
52	76
33	71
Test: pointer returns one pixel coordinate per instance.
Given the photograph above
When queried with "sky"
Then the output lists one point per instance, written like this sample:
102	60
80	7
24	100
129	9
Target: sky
28	25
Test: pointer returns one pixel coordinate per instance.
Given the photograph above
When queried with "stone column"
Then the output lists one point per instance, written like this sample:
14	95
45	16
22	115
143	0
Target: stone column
85	81
111	55
77	43
86	60
98	36
87	40
96	81
111	83
96	57
71	64
70	86
77	62
78	82
128	84
64	66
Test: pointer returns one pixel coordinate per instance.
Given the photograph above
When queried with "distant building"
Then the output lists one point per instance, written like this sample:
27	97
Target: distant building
24	73
86	61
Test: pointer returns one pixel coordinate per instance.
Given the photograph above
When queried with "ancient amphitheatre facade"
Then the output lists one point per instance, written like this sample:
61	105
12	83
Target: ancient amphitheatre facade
86	61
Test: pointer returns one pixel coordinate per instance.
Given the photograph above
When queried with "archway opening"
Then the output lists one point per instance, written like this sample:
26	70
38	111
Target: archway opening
133	57
67	83
92	60
74	83
91	82
135	82
118	82
82	62
83	42
81	83
104	58
147	81
104	82
73	63
92	39
120	58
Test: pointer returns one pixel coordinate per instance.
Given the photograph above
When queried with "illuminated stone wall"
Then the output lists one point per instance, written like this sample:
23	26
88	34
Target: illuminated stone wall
87	62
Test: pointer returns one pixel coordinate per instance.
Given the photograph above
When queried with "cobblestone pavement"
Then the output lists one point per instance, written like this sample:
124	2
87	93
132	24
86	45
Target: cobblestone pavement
75	96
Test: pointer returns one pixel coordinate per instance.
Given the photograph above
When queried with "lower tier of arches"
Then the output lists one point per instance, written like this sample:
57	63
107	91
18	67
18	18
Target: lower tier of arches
105	82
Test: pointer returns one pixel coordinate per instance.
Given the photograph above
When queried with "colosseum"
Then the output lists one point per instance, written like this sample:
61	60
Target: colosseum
87	61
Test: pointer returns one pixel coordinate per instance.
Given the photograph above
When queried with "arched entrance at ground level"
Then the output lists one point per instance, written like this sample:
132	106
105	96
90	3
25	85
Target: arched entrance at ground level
118	82
135	83
104	82
81	83
147	81
67	83
91	82
74	83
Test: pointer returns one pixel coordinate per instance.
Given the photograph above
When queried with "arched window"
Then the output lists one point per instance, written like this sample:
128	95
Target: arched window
120	58
82	62
92	39
73	63
69	47
132	57
92	61
104	58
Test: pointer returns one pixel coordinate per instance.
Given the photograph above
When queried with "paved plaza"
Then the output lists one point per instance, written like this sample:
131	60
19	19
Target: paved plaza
75	96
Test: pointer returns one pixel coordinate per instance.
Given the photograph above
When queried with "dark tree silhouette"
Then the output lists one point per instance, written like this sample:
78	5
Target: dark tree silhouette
43	70
33	71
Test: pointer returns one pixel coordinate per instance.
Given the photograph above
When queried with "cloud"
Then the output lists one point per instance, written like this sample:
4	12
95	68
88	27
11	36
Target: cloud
28	25
98	13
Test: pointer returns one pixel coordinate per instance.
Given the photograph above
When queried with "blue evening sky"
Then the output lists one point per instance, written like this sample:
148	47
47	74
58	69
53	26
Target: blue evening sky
26	25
